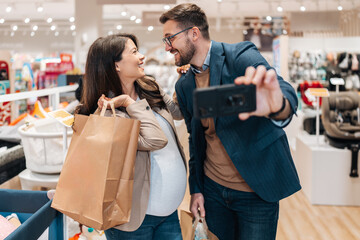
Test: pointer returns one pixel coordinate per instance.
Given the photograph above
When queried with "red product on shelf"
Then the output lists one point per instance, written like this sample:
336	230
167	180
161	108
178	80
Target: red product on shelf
306	85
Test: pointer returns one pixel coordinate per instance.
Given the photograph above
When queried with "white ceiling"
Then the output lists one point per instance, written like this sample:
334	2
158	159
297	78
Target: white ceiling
62	10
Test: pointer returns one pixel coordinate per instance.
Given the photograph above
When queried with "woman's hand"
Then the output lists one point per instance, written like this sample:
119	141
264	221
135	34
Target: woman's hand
119	101
123	100
101	101
183	69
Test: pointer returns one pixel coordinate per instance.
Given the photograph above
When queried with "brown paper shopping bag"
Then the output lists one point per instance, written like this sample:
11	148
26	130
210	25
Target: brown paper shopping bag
191	229
96	182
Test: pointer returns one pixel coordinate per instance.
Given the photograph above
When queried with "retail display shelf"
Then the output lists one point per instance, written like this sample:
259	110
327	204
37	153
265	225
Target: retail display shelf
324	172
37	93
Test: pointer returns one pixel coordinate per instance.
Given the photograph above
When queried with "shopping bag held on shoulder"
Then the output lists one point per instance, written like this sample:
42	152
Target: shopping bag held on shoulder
96	182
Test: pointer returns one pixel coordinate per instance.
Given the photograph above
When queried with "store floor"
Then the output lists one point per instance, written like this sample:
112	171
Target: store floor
299	220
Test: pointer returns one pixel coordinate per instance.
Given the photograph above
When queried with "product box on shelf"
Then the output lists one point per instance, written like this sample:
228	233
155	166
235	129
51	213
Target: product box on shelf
5	107
68	79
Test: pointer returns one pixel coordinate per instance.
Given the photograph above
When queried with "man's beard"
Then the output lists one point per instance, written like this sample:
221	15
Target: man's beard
187	55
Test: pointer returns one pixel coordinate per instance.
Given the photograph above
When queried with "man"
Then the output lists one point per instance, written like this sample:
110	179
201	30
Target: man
240	166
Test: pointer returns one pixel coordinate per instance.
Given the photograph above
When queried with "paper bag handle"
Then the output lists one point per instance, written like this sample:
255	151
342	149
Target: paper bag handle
197	219
103	110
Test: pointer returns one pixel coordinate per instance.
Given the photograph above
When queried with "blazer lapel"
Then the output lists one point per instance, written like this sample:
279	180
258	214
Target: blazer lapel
216	65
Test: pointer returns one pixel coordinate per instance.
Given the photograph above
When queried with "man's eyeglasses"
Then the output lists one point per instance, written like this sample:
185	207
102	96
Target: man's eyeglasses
167	40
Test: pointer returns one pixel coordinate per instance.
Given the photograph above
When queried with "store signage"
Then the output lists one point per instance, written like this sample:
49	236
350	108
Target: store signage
319	92
65	57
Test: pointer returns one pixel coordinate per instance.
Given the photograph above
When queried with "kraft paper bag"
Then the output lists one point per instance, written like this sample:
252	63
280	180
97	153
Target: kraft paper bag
194	229
96	182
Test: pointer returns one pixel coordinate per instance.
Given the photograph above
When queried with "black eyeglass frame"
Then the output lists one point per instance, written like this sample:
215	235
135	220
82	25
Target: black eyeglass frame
167	41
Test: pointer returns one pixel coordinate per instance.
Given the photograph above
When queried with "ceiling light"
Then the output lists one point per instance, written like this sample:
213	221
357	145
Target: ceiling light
2	20
72	27
35	28
280	9
15	27
340	8
12	34
32	34
150	28
49	20
132	18
118	27
71	19
245	32
166	7
219	0
303	8
110	32
268	18
123	13
56	34
40	8
138	20
8	9
27	20
53	27
284	32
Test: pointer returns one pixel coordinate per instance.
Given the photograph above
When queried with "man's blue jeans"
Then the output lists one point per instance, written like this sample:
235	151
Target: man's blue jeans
153	227
232	214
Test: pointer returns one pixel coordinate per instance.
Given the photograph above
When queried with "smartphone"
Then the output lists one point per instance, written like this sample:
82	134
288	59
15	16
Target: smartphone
224	100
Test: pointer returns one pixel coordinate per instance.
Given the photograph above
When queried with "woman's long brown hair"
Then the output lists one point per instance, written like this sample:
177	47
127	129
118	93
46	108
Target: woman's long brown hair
101	76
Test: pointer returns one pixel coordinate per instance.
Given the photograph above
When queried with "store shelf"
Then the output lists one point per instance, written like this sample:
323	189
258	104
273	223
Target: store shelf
38	93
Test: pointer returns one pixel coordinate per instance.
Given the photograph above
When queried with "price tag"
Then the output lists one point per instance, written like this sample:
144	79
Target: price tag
63	117
337	81
319	92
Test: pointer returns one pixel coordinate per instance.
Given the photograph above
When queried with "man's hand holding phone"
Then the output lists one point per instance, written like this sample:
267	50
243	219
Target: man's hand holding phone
269	97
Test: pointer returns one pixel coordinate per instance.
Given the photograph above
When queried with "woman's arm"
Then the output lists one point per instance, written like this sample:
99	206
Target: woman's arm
151	136
172	105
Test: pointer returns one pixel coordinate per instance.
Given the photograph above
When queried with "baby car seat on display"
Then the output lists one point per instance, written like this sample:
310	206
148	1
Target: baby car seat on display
340	117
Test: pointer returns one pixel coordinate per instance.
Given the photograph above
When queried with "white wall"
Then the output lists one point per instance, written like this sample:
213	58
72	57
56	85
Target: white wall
346	44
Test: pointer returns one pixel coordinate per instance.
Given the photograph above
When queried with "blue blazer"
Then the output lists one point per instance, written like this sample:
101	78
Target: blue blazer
258	148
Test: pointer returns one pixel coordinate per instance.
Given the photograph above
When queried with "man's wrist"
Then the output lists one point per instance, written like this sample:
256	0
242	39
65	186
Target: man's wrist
275	114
